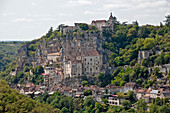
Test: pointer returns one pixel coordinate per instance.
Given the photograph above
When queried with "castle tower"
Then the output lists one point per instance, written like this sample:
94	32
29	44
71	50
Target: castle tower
111	17
111	21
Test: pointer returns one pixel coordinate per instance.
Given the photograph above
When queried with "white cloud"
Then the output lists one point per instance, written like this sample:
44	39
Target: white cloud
93	12
48	19
79	2
22	20
4	14
33	4
65	14
115	6
152	4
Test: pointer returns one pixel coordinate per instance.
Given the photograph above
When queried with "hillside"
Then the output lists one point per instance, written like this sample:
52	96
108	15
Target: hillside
105	66
13	101
8	53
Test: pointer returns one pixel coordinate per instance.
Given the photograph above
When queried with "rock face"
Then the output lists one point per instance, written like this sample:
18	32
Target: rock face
71	46
23	58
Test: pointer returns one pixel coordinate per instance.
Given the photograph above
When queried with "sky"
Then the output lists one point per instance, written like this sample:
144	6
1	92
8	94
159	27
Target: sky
26	20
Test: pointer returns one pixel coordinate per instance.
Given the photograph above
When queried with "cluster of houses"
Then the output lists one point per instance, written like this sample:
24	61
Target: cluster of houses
77	56
109	92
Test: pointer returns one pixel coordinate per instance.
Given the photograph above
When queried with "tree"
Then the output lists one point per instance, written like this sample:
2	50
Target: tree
149	43
132	33
105	100
133	62
26	69
145	62
126	104
38	70
49	32
87	92
164	109
88	101
64	110
84	26
153	108
131	95
167	21
156	72
141	105
84	83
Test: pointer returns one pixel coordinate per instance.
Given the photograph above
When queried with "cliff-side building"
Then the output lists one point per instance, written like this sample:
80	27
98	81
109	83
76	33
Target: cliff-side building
103	24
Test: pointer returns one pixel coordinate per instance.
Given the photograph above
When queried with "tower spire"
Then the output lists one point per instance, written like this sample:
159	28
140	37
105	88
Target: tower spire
111	16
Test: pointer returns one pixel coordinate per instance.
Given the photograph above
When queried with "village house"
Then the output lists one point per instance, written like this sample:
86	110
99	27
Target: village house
140	93
115	100
112	89
103	24
130	86
165	94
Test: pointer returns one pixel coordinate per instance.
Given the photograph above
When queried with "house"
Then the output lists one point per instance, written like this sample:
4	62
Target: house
140	93
46	79
146	98
154	94
115	100
67	91
165	94
53	56
130	86
103	24
111	89
99	23
68	29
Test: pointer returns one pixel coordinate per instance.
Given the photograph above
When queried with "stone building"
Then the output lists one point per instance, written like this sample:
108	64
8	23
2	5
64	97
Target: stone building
146	54
103	24
89	63
115	100
130	86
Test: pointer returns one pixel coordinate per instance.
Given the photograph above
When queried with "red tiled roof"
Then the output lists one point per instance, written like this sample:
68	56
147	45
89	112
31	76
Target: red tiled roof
111	86
51	54
43	74
130	84
98	21
92	52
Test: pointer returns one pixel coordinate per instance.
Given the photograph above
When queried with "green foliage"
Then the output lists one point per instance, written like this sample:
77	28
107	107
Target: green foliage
126	104
84	83
12	101
153	108
38	70
84	26
8	53
164	109
88	101
104	79
26	69
141	105
149	43
87	92
64	110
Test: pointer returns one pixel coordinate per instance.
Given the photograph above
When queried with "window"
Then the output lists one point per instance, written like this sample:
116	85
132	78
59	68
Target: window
96	68
85	59
90	69
90	59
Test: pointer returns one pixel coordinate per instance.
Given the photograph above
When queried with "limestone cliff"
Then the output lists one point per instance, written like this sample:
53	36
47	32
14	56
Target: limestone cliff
71	45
